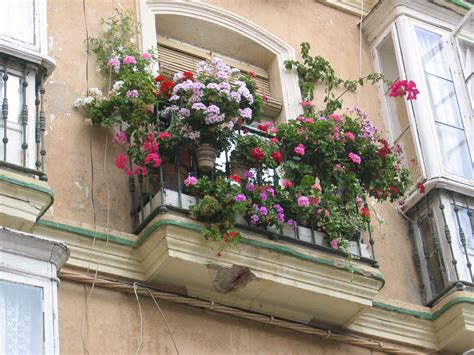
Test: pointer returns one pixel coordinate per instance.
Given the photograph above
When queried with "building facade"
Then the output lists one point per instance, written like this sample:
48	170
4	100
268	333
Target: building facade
103	270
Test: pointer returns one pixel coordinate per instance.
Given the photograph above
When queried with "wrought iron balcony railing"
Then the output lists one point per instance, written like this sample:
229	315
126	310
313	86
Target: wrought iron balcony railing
442	233
154	195
22	119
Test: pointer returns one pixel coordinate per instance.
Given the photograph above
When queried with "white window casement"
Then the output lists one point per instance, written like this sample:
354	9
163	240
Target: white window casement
28	293
423	41
24	64
190	31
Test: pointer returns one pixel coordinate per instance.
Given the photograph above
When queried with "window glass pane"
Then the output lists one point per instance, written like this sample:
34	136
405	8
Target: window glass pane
443	101
466	224
21	318
456	156
18	20
433	56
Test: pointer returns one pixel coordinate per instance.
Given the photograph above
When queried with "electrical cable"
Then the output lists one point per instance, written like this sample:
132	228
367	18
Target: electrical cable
164	318
342	337
141	318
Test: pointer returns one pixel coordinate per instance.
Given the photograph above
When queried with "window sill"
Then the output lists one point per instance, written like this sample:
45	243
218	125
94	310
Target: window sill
45	61
24	200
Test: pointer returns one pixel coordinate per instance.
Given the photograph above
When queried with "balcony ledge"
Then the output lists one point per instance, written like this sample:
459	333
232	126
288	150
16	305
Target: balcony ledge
23	200
261	275
278	279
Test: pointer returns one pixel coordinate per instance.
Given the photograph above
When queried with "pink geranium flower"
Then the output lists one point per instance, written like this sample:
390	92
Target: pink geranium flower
355	158
128	59
299	149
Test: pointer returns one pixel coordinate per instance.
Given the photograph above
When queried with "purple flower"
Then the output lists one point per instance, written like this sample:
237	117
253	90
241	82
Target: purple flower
271	191
249	174
263	196
303	201
355	158
254	219
131	93
292	223
114	63
263	211
240	198
335	244
128	59
250	187
299	149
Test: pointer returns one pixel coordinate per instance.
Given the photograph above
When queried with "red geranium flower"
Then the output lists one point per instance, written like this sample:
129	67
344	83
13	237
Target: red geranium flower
235	178
257	153
166	87
364	212
234	234
421	187
187	75
277	156
394	190
160	78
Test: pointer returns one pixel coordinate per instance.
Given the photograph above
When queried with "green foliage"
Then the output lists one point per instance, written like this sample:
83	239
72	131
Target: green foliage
315	70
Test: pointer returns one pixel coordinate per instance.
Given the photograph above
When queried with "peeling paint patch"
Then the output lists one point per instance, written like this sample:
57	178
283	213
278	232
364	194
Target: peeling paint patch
52	117
225	279
50	42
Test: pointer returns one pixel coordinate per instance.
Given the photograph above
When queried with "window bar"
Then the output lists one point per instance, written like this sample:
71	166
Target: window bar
371	241
227	164
313	238
5	110
416	257
162	208
426	252
42	128
358	234
462	236
24	115
140	194
37	130
178	176
447	234
436	242
469	214
131	185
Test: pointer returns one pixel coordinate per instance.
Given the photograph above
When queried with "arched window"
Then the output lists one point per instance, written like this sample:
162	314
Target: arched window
187	32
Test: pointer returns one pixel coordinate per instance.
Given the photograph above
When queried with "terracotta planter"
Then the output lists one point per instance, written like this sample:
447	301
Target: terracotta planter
206	157
238	168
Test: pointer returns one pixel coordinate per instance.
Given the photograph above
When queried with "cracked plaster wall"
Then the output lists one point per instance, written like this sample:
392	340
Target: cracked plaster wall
332	34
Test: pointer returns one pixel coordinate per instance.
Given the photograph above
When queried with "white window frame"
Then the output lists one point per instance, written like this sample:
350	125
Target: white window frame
34	261
386	116
40	33
291	96
422	100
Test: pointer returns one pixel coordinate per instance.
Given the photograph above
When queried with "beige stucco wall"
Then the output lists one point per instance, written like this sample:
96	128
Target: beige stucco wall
113	318
112	326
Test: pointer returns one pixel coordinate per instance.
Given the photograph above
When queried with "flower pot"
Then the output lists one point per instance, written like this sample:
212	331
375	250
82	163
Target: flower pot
238	168
206	157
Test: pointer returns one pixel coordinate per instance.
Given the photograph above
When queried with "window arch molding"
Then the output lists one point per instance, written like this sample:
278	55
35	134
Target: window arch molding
288	80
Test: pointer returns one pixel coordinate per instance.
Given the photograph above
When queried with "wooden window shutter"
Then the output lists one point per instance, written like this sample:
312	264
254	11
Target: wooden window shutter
173	59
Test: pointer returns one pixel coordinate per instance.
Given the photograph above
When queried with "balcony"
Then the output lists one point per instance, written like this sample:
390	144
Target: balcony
25	194
290	273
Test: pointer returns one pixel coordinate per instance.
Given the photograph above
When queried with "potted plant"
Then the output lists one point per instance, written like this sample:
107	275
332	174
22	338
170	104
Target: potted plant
210	106
255	151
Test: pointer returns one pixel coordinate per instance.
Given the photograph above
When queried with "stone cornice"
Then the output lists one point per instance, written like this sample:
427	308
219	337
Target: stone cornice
33	247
